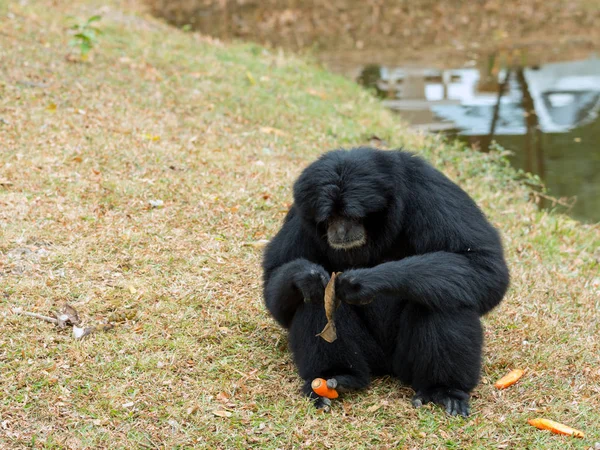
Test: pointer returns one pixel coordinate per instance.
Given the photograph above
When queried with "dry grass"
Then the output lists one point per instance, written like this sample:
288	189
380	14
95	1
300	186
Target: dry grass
350	33
218	134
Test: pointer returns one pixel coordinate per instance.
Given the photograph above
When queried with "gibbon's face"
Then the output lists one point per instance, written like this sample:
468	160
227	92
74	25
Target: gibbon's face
344	233
344	195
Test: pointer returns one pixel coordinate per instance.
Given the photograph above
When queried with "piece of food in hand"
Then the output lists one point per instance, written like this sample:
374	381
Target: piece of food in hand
319	386
509	379
555	427
329	333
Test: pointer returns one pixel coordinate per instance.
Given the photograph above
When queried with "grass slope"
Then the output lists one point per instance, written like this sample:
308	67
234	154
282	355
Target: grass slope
218	134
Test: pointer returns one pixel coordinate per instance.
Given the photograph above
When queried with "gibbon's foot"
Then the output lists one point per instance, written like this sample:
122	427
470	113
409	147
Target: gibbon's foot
455	401
323	404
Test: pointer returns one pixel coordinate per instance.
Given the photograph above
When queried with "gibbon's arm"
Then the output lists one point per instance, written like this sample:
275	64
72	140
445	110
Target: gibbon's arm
437	280
289	277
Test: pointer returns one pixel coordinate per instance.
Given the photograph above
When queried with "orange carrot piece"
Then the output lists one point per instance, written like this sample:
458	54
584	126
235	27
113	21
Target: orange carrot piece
319	385
509	379
555	427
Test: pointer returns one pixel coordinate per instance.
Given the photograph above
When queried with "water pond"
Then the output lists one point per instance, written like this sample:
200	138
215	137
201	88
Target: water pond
547	115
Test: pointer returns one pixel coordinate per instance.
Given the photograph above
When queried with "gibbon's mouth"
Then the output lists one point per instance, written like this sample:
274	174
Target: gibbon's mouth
348	244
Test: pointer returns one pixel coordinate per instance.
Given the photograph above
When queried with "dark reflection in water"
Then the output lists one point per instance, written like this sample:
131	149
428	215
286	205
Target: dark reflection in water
548	116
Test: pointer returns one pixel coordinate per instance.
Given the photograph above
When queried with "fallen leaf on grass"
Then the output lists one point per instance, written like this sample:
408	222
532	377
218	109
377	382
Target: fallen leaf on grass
271	130
316	93
192	410
555	427
67	316
150	137
72	58
6	183
222	413
374	407
376	141
222	397
347	408
256	244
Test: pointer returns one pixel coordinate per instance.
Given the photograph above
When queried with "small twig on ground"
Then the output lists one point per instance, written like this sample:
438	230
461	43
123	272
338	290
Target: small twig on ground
67	316
35	315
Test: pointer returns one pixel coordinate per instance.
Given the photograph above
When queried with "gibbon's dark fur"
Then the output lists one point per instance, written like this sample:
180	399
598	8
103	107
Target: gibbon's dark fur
414	285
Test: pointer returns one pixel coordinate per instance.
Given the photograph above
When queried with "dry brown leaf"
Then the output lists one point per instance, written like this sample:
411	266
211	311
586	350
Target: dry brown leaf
221	413
316	93
374	407
331	303
329	333
347	408
67	316
257	244
271	130
222	397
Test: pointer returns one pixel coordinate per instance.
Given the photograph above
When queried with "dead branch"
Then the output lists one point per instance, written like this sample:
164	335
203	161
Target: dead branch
35	315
